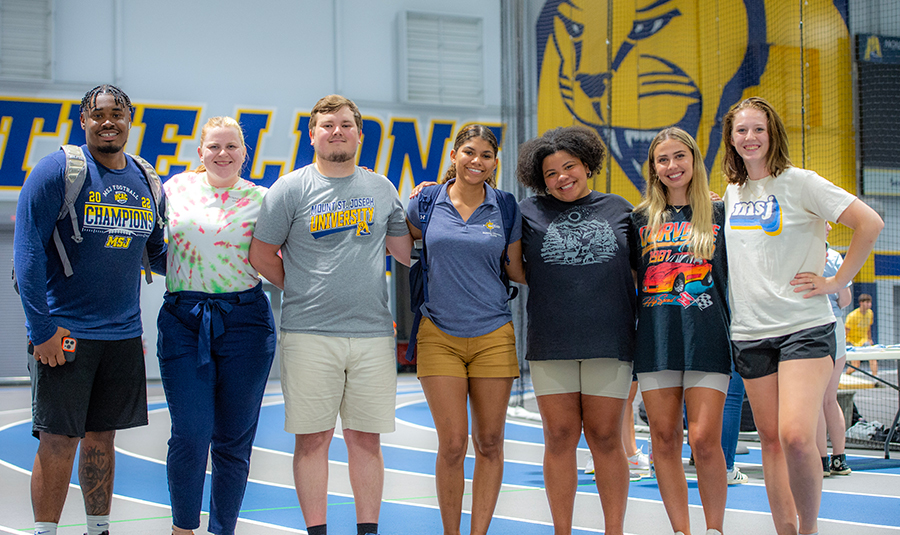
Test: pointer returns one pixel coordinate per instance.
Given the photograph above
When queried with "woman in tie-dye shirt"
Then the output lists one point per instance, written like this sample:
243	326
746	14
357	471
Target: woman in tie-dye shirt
216	332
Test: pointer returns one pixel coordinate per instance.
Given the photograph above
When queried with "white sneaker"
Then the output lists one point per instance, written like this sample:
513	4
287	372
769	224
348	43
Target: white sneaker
736	477
639	462
589	467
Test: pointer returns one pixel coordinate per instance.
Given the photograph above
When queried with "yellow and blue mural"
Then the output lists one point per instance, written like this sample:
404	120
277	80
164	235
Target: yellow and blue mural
162	133
631	68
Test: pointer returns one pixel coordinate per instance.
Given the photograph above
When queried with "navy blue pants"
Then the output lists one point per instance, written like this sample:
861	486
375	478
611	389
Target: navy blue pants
215	351
731	420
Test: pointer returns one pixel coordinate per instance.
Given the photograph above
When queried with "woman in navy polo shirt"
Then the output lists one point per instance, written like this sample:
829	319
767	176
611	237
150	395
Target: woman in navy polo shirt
466	344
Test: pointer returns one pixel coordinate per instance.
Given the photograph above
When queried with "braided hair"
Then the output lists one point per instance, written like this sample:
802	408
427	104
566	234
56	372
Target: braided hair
90	98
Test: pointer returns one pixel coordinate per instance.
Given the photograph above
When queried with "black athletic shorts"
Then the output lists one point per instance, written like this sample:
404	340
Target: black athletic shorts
103	389
757	358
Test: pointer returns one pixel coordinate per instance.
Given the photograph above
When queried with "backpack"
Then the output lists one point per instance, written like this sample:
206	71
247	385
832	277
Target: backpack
76	172
418	272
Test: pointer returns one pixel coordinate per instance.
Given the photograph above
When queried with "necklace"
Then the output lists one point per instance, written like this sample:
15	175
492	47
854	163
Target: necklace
678	209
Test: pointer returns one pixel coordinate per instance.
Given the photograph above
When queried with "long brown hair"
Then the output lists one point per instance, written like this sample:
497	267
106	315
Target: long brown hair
777	159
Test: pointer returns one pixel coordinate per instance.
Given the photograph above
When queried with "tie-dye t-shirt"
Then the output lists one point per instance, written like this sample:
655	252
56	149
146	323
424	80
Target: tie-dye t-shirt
209	234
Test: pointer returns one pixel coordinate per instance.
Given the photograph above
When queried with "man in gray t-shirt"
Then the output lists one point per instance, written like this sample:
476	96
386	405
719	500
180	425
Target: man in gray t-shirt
332	222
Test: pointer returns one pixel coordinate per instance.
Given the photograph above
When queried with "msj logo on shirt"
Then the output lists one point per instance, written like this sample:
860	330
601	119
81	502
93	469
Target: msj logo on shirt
763	214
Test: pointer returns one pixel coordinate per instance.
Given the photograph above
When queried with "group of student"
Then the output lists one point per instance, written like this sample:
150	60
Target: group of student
614	291
760	304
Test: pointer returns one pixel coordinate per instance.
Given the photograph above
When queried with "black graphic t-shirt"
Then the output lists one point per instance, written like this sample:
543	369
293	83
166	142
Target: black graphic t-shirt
581	297
683	318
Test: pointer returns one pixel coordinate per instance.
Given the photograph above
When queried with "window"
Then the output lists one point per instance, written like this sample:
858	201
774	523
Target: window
442	59
25	44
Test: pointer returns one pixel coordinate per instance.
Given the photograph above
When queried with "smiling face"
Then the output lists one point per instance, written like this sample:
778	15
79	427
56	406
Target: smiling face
630	69
106	124
565	176
475	161
750	138
222	153
674	165
336	136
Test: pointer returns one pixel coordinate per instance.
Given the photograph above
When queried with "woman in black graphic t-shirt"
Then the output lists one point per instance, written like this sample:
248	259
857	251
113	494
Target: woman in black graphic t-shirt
683	350
581	308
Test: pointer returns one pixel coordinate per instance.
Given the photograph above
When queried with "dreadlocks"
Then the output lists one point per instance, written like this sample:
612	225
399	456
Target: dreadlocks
90	98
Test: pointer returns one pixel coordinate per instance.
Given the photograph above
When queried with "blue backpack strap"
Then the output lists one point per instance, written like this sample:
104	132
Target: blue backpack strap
508	205
156	193
427	199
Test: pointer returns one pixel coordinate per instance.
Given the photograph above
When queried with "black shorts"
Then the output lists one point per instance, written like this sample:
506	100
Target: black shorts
757	358
103	389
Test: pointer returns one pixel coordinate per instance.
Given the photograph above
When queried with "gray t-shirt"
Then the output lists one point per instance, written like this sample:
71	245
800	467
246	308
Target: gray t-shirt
332	233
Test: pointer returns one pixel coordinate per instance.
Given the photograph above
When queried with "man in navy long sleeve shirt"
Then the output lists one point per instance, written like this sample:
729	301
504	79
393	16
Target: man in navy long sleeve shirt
96	386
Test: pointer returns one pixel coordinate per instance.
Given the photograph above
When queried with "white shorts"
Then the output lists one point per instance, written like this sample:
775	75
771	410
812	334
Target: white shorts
323	376
610	378
683	379
840	337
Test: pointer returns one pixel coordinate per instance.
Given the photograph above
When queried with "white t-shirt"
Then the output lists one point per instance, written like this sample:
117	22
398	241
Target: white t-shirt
209	234
775	228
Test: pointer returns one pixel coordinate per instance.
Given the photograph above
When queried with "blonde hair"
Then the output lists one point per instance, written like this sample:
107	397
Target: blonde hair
777	159
655	198
217	122
465	134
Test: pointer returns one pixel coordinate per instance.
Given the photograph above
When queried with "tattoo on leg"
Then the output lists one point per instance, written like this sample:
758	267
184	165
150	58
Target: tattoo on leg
95	473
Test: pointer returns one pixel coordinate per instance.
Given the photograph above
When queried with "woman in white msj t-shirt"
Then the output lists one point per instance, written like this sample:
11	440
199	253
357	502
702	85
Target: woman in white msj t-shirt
782	327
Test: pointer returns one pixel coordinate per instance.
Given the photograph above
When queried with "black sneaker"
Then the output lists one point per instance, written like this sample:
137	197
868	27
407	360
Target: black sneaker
839	465
826	467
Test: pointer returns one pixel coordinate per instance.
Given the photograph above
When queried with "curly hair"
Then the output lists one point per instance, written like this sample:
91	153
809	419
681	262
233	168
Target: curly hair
90	98
465	134
777	159
578	141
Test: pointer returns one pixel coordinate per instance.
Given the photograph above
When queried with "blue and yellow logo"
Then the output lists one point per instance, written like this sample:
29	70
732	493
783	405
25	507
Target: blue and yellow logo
765	215
340	216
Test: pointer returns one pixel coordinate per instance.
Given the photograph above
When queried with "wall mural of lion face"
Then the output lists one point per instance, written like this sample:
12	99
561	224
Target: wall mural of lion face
670	63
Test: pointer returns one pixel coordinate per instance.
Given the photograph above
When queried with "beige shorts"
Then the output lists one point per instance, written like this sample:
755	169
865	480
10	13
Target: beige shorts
610	378
323	376
683	379
489	355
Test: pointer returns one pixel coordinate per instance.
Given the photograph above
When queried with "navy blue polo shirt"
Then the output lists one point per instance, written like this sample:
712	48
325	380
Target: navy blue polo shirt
466	296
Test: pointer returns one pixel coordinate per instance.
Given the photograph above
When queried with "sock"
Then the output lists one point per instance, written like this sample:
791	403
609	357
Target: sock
317	530
97	524
366	528
45	528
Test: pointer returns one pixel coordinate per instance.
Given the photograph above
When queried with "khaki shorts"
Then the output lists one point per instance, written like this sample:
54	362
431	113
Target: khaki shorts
610	378
489	355
323	376
684	380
